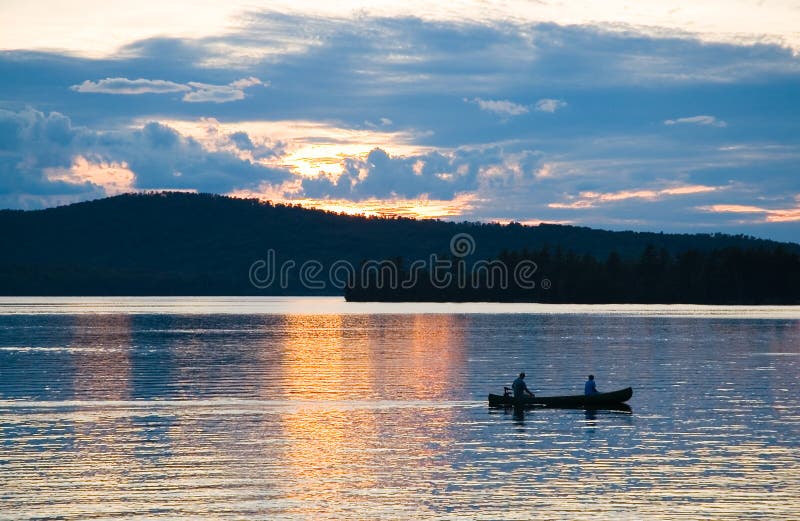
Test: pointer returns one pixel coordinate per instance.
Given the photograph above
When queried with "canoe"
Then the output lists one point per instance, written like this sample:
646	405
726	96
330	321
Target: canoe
579	401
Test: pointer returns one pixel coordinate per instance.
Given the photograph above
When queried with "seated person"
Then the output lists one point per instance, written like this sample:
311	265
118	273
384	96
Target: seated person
590	388
520	388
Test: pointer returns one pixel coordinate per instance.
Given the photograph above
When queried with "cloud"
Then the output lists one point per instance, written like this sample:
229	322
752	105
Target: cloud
126	86
31	144
247	82
162	157
307	147
242	141
710	121
382	122
747	22
436	175
593	199
44	158
501	183
195	92
767	215
114	178
550	105
349	86
414	72
379	175
499	107
207	93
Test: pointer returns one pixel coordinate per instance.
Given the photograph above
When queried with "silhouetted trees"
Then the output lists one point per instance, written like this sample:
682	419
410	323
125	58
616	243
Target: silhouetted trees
204	244
730	275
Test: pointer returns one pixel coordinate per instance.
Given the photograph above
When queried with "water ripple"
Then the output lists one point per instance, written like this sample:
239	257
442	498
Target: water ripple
342	416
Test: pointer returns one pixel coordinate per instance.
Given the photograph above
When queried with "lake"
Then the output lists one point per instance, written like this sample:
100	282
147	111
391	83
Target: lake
314	408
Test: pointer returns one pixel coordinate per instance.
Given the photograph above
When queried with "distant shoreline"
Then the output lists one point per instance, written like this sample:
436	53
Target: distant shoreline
391	300
327	305
580	303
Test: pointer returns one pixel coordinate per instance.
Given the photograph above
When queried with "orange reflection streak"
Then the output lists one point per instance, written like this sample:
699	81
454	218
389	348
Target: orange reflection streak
347	373
432	370
321	452
312	362
429	368
438	375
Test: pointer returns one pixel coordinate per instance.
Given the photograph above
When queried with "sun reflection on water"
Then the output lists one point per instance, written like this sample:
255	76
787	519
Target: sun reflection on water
383	416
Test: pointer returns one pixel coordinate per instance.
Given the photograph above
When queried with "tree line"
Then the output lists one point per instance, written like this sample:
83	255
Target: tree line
731	275
205	244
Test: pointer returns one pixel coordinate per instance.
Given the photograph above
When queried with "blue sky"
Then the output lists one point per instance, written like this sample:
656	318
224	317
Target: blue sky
645	120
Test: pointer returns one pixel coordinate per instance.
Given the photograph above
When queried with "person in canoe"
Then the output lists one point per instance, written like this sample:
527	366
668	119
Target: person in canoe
590	388
520	387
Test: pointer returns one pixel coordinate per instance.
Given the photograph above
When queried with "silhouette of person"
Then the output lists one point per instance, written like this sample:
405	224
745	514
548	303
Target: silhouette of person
520	387
590	388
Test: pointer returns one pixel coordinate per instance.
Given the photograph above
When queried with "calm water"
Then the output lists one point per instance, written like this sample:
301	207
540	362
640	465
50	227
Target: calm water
316	409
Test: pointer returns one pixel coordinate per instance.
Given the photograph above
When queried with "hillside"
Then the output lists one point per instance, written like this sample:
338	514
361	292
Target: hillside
194	244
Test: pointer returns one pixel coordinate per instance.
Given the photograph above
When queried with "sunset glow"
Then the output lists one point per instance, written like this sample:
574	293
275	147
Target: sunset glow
412	208
592	199
284	259
115	178
784	215
307	148
615	116
744	20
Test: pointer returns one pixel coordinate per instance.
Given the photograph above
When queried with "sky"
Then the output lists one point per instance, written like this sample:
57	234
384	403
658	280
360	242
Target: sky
651	116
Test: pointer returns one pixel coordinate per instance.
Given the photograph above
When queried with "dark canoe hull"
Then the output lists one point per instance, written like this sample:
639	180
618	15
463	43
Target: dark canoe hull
580	401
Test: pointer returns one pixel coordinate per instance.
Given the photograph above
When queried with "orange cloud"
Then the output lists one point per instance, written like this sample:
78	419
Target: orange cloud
783	216
732	208
770	215
592	199
308	147
577	205
114	178
689	189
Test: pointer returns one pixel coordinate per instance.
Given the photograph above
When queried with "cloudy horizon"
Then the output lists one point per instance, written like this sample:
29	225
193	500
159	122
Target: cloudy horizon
652	120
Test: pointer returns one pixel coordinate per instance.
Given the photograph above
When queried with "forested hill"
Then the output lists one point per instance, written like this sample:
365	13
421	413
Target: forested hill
196	244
